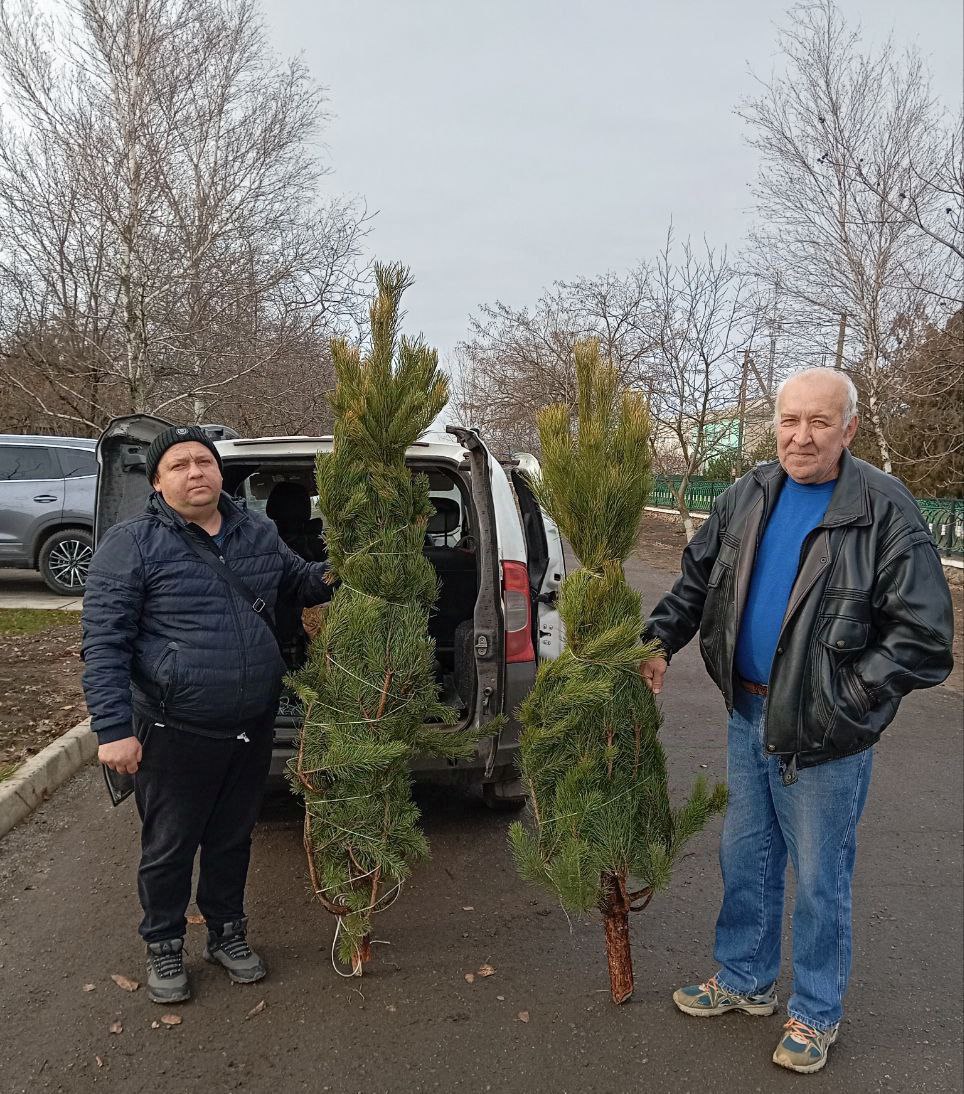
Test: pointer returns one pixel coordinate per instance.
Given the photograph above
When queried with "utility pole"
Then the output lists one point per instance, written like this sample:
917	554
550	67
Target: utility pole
840	340
771	364
741	432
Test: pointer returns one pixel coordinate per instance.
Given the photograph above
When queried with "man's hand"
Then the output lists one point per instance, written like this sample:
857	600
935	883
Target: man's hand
652	672
122	756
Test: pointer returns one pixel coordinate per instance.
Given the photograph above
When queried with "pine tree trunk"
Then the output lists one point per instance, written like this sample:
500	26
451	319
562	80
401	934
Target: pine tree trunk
362	955
615	914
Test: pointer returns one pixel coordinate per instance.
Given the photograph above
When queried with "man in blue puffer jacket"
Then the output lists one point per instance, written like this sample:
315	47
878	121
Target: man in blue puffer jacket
182	678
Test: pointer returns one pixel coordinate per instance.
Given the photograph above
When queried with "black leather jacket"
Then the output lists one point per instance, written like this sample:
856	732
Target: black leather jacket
869	617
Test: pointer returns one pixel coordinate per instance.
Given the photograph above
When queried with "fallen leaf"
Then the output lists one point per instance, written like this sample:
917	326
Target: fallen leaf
171	1019
470	978
155	1025
486	970
195	920
116	1027
89	987
257	1009
100	1062
501	998
523	1016
468	908
391	1008
124	982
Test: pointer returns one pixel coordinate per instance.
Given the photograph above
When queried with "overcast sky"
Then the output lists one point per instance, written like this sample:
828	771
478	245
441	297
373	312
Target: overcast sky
508	144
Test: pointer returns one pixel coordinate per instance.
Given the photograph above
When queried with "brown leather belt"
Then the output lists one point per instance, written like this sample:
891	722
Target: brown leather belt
753	689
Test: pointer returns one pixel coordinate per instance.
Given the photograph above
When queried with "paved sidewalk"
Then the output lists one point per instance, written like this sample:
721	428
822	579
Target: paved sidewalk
26	589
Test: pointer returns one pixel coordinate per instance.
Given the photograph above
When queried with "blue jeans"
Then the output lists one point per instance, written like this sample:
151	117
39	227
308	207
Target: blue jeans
815	821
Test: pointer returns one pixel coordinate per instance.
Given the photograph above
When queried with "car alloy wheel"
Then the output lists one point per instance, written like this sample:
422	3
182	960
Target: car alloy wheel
67	563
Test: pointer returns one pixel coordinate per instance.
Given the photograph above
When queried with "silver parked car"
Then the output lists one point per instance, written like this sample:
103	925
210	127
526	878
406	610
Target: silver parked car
47	490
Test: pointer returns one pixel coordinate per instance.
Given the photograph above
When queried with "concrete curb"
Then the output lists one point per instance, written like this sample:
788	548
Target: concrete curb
40	776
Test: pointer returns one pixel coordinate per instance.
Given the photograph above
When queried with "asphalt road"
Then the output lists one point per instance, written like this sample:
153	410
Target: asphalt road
68	913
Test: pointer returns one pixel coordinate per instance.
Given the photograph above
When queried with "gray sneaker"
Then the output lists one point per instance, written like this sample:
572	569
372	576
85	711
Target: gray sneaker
229	947
166	979
710	999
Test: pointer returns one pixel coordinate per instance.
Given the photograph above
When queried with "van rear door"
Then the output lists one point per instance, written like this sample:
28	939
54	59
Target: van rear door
546	561
488	623
122	486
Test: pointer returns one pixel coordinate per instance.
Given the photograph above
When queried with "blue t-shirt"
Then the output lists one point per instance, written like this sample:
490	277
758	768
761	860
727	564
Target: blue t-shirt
799	509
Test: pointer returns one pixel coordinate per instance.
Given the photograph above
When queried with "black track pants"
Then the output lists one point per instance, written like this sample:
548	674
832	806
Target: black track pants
196	792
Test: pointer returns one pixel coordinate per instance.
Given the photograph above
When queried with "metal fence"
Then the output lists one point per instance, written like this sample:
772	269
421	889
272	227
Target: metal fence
943	516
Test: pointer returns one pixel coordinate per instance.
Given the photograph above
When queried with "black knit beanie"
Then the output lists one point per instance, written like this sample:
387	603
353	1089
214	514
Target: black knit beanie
177	434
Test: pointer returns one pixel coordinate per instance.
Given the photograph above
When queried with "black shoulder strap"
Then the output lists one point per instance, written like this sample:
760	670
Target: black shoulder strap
209	558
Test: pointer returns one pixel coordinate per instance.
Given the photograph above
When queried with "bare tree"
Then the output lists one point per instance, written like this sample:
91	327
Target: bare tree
933	203
518	360
708	314
163	239
861	273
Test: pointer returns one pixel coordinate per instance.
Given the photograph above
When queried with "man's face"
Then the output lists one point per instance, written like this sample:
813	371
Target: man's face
189	479
810	432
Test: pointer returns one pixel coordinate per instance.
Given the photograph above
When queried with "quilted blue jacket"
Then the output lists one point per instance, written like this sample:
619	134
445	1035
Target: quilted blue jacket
166	635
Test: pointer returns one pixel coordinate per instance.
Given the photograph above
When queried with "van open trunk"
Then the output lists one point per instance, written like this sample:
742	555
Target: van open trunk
498	558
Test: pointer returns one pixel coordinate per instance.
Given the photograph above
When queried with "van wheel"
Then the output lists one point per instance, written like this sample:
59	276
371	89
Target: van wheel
64	561
504	797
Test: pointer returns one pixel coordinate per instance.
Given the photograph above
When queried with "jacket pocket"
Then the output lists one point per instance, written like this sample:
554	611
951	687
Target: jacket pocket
165	672
839	640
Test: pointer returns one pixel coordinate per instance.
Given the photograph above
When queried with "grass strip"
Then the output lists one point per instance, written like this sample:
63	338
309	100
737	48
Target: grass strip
34	620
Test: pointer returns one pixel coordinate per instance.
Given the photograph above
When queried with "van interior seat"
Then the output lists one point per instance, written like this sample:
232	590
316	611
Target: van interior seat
457	574
289	506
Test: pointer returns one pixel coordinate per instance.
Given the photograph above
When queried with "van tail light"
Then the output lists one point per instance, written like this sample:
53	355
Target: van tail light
517	605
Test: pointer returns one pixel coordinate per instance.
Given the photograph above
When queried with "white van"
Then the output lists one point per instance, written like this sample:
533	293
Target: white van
498	556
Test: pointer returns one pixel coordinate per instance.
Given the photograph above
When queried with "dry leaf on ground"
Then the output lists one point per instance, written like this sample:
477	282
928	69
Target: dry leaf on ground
89	987
155	1025
486	970
124	982
470	978
523	1016
256	1009
116	1027
100	1061
171	1019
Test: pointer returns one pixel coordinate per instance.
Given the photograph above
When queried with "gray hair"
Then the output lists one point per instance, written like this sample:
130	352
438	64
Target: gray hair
850	407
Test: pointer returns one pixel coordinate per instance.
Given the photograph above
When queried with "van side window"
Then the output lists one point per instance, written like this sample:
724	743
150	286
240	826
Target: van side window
26	462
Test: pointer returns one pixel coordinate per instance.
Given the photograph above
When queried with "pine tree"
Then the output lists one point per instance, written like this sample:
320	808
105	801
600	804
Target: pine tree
368	687
605	834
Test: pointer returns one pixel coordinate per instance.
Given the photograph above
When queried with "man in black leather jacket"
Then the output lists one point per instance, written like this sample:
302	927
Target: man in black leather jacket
820	602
